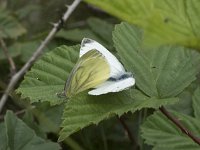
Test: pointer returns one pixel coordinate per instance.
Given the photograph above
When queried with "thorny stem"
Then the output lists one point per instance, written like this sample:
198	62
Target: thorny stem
179	125
37	53
9	58
130	135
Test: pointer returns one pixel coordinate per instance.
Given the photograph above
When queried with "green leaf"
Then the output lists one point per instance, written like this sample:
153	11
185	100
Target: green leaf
196	103
23	49
76	34
20	137
164	21
178	19
83	110
98	30
3	141
12	52
132	11
47	77
48	121
184	105
29	119
26	49
49	117
101	28
26	10
160	132
9	26
159	72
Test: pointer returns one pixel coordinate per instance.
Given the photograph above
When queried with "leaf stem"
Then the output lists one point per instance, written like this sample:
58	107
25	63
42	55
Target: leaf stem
131	137
20	112
9	58
56	27
179	125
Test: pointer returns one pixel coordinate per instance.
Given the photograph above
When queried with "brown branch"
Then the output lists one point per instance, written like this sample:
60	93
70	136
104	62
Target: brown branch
179	125
130	135
9	58
37	53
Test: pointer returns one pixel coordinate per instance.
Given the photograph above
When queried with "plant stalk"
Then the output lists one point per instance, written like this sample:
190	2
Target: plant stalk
179	125
130	135
9	58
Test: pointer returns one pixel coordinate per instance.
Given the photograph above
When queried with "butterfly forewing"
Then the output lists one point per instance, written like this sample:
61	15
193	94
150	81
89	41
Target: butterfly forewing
91	70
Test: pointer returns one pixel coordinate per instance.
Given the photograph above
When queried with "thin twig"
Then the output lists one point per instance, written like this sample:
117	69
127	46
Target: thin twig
179	125
130	135
9	58
38	52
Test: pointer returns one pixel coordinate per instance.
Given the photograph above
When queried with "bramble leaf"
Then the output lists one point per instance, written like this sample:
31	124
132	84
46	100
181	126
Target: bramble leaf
84	110
18	136
164	21
47	77
9	26
160	132
160	72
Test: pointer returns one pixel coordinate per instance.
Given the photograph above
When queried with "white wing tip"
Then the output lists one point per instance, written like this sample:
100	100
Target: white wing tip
86	41
130	82
92	92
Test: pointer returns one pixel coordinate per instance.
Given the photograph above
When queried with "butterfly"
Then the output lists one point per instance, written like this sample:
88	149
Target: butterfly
97	69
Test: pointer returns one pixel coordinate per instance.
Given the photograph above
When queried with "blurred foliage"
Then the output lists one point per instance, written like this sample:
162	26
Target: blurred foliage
170	137
9	26
164	21
160	49
18	136
99	30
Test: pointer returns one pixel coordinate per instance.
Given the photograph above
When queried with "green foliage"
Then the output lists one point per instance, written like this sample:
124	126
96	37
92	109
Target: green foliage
164	21
163	134
18	136
26	49
185	102
12	52
21	49
196	103
28	118
47	77
25	11
84	110
163	71
97	29
76	34
9	26
49	117
160	72
102	29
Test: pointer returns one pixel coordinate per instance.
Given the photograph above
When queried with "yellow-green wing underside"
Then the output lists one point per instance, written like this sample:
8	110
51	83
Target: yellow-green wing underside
91	70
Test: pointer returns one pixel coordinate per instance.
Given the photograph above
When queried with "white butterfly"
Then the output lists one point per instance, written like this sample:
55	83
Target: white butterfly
119	79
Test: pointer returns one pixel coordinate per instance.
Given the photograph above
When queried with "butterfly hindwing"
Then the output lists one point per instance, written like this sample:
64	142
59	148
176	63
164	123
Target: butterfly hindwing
91	70
113	86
